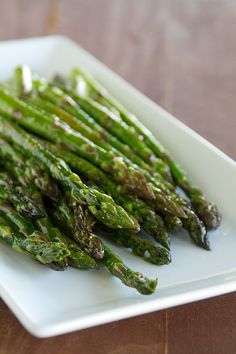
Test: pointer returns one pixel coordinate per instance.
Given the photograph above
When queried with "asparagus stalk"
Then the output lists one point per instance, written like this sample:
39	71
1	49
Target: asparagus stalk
23	227
22	80
25	171
81	224
127	276
19	198
172	223
19	223
207	211
53	129
150	221
77	257
100	139
152	253
110	260
100	205
34	245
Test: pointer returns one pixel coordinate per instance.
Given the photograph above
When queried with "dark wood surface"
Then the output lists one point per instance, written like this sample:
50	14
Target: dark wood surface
182	54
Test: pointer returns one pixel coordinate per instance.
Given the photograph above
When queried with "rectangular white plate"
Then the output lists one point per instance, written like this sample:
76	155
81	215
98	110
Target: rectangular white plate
49	303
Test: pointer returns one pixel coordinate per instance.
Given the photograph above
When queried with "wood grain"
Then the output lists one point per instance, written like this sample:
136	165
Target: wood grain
181	54
23	18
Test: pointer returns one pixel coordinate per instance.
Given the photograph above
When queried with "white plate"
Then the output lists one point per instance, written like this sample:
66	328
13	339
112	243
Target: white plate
49	303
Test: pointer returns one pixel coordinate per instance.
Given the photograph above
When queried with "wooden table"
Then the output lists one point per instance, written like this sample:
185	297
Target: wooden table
182	54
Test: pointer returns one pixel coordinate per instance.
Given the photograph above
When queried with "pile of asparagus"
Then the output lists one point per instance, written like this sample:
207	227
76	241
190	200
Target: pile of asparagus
76	164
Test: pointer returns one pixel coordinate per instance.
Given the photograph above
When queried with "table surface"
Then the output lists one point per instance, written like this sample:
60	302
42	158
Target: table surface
182	54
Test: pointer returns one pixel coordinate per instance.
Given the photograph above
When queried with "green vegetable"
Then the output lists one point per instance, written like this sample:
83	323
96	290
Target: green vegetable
54	129
99	204
207	211
81	223
34	245
24	170
127	276
146	249
149	220
110	260
17	196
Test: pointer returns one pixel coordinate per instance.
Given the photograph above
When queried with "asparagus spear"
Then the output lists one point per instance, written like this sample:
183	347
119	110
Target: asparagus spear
100	139
207	211
23	227
22	79
18	197
34	245
150	221
146	249
25	171
53	129
172	223
77	257
80	222
127	276
110	260
19	223
196	229
100	205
